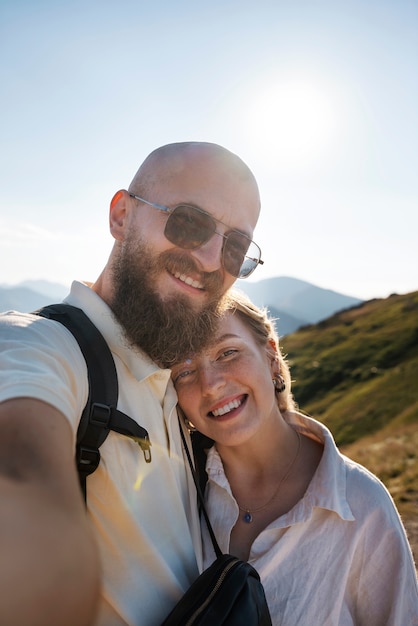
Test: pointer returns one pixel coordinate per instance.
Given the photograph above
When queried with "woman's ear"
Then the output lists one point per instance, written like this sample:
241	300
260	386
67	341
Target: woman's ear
273	355
117	214
272	348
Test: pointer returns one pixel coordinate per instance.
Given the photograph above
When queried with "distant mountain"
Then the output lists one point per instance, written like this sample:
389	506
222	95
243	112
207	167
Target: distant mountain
56	291
296	302
30	295
293	302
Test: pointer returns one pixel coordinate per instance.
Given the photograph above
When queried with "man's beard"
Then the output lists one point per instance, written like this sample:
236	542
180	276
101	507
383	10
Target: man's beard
168	330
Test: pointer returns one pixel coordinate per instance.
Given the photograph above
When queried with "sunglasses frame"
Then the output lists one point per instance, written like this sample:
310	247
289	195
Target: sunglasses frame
170	211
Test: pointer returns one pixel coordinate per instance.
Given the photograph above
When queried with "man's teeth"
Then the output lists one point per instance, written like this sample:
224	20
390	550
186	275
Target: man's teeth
188	280
227	408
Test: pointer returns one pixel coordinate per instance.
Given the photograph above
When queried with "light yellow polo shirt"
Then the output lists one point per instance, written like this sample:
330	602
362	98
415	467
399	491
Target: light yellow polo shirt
144	514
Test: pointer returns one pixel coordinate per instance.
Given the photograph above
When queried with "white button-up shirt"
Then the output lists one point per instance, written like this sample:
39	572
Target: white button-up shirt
339	557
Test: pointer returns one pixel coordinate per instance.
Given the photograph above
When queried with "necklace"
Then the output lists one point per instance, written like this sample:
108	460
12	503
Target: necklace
248	513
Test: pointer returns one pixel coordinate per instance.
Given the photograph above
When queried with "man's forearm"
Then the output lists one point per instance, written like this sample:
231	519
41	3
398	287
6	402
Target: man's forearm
49	569
49	564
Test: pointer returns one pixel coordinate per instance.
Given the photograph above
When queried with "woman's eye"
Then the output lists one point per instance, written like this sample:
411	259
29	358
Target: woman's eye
227	353
181	376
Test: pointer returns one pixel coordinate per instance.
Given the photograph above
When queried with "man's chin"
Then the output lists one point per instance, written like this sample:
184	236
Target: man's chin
160	314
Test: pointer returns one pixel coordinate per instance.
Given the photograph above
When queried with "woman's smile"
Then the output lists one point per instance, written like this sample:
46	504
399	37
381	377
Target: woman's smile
228	407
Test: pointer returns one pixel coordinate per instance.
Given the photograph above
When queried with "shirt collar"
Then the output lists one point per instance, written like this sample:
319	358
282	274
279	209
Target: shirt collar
138	363
328	487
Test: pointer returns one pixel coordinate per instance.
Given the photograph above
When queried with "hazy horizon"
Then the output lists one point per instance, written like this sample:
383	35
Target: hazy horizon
239	284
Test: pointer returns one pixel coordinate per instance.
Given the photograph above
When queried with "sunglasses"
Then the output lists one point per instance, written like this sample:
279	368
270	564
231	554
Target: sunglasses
189	228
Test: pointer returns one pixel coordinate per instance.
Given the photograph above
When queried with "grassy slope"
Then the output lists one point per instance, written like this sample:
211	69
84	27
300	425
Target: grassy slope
358	373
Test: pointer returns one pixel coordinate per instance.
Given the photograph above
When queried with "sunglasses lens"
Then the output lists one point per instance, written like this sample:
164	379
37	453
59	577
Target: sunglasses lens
188	228
240	255
251	261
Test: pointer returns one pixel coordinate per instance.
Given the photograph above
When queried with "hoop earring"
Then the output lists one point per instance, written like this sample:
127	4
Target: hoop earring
279	384
190	427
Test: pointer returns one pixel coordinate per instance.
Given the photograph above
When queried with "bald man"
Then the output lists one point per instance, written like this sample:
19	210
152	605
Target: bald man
183	234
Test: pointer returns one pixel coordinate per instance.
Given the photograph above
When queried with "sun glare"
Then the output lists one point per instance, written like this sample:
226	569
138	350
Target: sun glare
295	122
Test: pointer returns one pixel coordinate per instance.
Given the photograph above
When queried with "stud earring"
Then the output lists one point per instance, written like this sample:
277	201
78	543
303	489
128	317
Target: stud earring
279	384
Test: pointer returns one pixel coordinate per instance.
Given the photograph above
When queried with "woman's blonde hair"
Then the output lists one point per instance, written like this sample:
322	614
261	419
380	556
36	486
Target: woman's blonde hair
263	329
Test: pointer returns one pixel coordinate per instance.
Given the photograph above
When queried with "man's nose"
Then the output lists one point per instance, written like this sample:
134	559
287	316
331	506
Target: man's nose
209	255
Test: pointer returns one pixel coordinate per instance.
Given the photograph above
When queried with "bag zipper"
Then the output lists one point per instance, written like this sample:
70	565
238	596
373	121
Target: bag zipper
212	593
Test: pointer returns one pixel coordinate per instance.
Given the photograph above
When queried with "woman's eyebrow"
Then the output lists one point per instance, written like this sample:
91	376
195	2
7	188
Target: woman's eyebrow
226	336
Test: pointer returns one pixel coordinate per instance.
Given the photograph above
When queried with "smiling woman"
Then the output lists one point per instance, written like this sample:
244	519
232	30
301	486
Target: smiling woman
296	119
314	524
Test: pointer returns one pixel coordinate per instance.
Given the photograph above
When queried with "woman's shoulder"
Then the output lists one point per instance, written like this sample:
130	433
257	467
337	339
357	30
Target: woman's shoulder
366	493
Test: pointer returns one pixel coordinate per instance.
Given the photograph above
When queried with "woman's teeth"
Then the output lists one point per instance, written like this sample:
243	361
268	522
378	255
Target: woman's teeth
227	408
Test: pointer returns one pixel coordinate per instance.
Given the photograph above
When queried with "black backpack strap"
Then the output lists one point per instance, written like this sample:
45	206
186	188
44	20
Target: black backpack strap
200	445
100	414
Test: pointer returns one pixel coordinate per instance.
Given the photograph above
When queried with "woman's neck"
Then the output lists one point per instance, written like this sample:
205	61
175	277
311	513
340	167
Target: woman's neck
263	457
267	476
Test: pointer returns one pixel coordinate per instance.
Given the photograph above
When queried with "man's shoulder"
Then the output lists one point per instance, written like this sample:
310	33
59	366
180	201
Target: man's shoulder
24	323
41	359
16	317
29	329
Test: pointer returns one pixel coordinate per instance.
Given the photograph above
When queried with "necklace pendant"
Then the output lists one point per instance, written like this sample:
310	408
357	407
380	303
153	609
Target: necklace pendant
247	517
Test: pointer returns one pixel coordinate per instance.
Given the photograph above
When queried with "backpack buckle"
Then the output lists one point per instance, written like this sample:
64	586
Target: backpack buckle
88	459
100	415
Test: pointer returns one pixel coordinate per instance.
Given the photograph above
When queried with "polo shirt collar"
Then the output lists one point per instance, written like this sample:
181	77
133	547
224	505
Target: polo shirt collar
138	363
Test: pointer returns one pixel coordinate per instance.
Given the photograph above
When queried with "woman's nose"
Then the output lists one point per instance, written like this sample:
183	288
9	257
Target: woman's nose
211	379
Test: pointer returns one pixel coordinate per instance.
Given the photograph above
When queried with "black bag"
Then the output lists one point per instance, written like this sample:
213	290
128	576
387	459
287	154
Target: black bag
228	593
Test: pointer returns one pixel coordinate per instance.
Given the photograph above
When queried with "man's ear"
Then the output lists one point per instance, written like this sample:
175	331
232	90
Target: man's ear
117	214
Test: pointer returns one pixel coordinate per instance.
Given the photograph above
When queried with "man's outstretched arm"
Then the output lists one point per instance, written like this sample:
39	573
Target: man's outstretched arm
49	565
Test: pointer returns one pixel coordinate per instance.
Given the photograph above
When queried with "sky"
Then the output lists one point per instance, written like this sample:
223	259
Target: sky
319	97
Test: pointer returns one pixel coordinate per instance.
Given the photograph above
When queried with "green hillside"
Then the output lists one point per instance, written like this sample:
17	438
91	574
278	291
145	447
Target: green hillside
358	373
358	370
